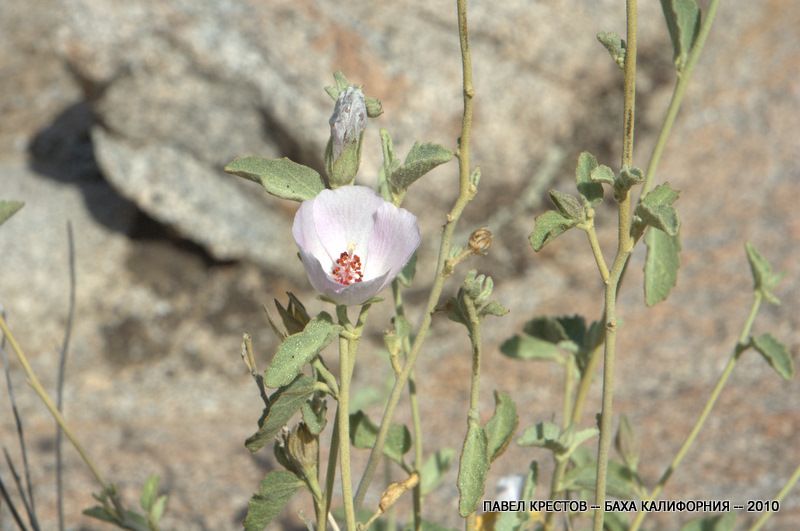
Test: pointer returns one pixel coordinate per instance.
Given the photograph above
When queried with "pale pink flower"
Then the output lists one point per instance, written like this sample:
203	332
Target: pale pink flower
353	243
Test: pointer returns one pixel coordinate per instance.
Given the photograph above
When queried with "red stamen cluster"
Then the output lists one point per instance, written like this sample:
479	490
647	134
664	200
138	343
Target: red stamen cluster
347	269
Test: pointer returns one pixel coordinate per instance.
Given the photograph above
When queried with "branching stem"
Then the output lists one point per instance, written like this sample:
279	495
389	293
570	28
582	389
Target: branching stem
466	193
741	346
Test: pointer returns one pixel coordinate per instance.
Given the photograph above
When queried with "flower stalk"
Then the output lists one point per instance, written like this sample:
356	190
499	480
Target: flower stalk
467	191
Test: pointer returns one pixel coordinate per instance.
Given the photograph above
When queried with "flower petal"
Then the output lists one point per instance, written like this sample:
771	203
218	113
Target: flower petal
395	236
351	295
344	217
306	237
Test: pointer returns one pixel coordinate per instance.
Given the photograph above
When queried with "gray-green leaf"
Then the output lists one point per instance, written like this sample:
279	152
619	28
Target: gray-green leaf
8	209
543	435
283	404
776	355
421	159
661	265
620	483
149	492
280	177
549	226
525	347
472	470
275	491
568	205
655	209
589	189
432	472
627	443
683	23
299	349
717	522
500	428
363	434
764	279
615	45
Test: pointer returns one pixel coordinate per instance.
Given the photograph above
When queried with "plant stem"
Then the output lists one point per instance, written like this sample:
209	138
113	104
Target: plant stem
741	346
48	402
596	251
473	417
677	95
465	195
566	422
781	495
344	432
416	419
584	385
624	248
330	473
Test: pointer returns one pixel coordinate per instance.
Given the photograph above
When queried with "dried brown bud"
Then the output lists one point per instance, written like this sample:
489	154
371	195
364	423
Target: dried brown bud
301	448
480	241
395	490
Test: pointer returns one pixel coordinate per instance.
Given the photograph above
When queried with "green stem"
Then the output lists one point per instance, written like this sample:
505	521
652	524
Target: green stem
344	432
475	339
416	419
585	385
741	346
781	495
624	248
330	474
566	421
677	95
465	195
34	382
596	250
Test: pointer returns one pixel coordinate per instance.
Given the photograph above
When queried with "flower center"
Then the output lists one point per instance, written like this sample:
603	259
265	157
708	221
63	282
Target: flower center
347	268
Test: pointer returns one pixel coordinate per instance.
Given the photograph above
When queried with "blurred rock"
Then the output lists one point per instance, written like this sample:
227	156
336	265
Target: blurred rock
181	88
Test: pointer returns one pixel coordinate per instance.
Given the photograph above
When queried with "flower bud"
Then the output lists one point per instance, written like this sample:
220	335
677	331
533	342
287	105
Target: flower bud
347	123
301	447
480	240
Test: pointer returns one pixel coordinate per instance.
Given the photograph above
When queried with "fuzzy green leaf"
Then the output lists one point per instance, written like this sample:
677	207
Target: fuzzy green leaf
602	174
283	404
568	205
500	428
627	443
157	510
764	279
543	435
472	470
299	349
525	347
279	177
549	226
683	23
776	355
615	45
406	276
363	434
661	266
433	471
620	483
8	209
590	190
275	491
315	420
421	159
655	209
374	107
149	492
717	522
